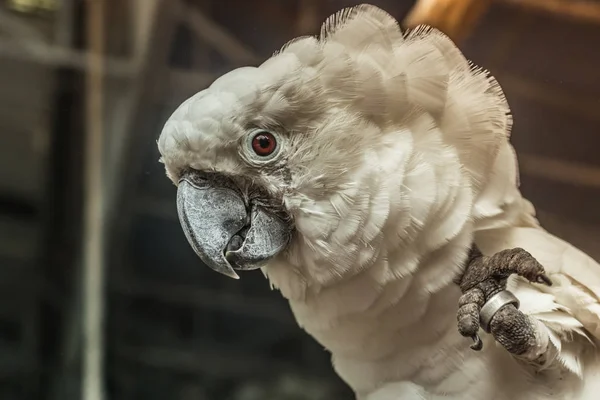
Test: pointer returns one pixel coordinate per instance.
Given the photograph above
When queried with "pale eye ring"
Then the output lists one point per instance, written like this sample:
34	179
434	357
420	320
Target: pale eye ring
262	144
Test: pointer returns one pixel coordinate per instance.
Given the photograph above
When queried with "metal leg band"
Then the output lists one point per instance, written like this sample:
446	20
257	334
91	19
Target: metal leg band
493	305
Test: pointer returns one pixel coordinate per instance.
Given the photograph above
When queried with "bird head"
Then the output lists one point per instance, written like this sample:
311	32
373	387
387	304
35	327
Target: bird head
275	164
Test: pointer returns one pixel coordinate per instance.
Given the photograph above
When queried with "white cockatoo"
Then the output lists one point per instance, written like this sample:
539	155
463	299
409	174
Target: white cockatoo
368	173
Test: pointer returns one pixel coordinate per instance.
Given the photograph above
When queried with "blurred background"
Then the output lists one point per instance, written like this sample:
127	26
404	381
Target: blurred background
100	295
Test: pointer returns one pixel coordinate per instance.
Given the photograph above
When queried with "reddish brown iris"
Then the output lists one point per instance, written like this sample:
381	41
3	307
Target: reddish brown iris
264	144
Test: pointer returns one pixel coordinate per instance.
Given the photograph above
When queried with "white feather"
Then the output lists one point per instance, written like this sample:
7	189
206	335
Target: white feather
399	156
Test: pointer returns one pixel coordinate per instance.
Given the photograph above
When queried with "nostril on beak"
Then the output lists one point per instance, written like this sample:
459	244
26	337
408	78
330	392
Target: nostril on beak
237	240
235	244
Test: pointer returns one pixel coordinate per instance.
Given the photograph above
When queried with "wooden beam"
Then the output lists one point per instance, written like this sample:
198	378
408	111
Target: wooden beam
178	80
63	28
18	29
142	12
218	37
551	95
59	56
559	170
94	228
579	10
456	18
201	50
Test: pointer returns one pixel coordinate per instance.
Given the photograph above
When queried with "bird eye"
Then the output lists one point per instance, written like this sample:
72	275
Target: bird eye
263	143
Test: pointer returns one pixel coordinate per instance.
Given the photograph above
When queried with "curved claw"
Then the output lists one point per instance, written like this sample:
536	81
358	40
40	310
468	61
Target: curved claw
543	279
478	344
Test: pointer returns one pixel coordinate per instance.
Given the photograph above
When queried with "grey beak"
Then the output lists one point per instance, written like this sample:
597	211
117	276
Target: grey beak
223	230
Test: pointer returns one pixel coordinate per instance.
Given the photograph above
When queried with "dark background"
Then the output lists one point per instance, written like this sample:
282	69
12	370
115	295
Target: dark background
173	329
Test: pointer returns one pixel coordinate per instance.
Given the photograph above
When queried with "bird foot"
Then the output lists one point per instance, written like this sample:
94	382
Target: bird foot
487	304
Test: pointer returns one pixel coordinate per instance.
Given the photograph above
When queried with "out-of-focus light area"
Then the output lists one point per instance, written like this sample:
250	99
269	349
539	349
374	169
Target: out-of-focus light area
101	297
